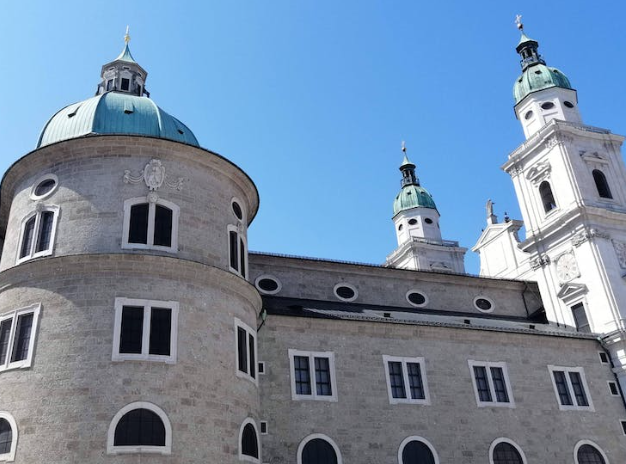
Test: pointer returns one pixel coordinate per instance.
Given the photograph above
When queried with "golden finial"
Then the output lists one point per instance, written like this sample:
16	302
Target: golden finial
403	147
518	22
127	35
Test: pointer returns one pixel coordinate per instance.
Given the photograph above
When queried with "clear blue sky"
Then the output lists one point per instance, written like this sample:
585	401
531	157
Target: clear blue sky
312	98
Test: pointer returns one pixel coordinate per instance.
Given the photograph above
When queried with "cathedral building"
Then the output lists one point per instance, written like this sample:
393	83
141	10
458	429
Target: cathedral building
135	326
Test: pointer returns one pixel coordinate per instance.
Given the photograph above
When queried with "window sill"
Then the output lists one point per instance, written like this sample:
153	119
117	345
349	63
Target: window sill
36	255
142	246
119	357
493	404
330	398
246	376
423	402
139	449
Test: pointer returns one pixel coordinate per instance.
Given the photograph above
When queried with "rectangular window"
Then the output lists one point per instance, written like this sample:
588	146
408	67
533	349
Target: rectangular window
17	337
110	84
237	252
570	388
37	236
406	381
580	318
604	358
246	350
313	375
145	330
150	225
491	384
232	246
125	83
613	388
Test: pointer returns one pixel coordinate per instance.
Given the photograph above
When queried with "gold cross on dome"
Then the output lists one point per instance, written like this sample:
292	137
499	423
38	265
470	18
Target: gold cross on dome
127	35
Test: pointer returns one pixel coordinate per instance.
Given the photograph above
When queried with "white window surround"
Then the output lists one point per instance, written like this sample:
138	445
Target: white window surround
408	440
415	290
249	331
128	204
261	367
590	443
350	286
264	426
279	284
240	236
36	231
320	436
10	456
245	457
567	370
497	441
43	178
311	355
24	363
405	376
167	449
482	297
144	355
487	365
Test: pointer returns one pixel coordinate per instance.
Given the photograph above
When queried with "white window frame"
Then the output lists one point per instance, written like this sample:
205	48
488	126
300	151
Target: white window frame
505	372
249	331
36	232
320	436
590	443
312	355
24	363
351	287
497	441
245	457
240	236
570	389
112	449
43	178
145	345
405	376
408	440
10	456
128	204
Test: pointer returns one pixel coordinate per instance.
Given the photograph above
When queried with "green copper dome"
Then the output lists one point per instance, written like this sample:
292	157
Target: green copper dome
412	196
114	113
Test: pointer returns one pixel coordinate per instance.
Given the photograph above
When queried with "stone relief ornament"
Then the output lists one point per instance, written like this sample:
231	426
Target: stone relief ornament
540	261
620	251
585	235
560	140
154	176
539	172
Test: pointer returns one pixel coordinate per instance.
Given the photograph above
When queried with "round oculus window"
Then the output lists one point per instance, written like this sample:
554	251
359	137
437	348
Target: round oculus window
268	284
568	104
528	115
412	221
345	292
428	221
547	105
416	298
400	227
44	187
483	304
237	210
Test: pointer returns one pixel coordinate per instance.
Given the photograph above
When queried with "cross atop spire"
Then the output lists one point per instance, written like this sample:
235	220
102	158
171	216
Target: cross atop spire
127	35
518	22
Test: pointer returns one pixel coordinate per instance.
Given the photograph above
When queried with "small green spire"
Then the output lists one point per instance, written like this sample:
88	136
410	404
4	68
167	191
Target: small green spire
125	55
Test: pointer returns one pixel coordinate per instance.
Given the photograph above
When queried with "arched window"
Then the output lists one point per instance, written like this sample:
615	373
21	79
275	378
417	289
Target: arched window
547	199
150	225
237	251
505	451
140	427
601	184
587	453
318	449
37	234
8	437
417	450
249	442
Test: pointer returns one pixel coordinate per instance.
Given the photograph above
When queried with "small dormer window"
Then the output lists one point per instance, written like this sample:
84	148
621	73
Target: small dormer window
125	84
568	104
547	105
109	84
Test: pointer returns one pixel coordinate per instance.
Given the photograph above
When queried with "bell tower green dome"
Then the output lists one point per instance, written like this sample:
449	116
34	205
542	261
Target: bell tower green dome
412	194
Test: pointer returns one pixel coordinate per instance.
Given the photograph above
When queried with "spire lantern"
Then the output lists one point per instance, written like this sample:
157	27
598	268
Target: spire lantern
408	170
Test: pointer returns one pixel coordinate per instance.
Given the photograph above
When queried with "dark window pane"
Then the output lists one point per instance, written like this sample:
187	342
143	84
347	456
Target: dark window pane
268	285
416	452
396	380
482	384
140	427
110	84
138	228
22	337
252	356
125	83
163	226
160	331
416	298
302	374
547	199
44	187
345	292
505	453
499	385
601	184
242	351
415	381
249	443
587	454
322	377
232	247
131	332
5	334
580	318
237	210
27	238
45	231
242	257
561	387
318	451
579	391
6	436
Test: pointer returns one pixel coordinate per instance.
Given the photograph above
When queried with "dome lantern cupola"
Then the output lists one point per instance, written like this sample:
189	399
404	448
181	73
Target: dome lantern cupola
123	74
412	194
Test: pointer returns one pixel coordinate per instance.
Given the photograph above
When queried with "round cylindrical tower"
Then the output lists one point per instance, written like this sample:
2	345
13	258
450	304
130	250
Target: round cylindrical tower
127	325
